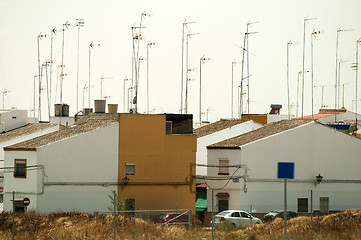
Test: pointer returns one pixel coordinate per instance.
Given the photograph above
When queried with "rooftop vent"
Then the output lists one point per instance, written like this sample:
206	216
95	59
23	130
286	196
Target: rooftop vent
275	109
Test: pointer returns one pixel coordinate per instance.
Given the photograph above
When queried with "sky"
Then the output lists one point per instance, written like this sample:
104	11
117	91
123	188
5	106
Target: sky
218	30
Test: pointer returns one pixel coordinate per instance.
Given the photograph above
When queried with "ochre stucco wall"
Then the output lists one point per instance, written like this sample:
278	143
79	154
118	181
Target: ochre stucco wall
163	163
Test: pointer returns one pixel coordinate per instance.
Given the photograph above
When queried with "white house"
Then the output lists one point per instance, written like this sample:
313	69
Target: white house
216	132
69	170
19	131
248	179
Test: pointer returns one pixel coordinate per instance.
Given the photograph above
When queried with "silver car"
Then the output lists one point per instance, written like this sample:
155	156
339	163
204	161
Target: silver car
238	218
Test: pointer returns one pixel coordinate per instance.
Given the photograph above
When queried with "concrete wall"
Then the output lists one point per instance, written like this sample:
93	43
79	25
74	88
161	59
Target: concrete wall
315	149
11	119
204	141
164	163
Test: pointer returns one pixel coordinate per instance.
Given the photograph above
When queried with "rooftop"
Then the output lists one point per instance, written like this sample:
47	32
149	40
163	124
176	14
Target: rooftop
24	130
323	112
217	126
268	130
32	144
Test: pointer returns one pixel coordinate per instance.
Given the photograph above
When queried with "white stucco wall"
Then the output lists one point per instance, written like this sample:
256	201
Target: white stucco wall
278	117
315	149
10	119
204	141
78	172
347	116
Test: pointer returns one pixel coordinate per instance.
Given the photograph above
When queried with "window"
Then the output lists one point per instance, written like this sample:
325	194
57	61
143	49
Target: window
245	215
235	214
20	168
223	167
130	169
222	204
324	204
302	205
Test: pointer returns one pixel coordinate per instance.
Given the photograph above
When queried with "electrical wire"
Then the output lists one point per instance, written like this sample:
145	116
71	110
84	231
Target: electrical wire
225	183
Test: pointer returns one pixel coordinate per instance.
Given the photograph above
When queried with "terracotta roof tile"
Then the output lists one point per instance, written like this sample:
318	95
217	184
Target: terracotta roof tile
216	126
24	130
268	130
43	140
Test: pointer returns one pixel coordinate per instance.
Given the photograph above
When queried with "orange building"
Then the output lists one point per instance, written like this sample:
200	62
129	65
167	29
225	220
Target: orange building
157	155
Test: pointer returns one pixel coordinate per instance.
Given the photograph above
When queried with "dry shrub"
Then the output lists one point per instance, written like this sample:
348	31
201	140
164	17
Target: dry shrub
80	226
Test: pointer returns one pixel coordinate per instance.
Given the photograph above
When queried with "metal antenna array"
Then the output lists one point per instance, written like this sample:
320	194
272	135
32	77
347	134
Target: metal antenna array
336	78
187	70
245	49
303	58
136	38
313	35
182	74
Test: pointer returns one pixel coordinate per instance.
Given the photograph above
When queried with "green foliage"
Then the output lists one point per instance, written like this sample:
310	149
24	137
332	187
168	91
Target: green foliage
120	202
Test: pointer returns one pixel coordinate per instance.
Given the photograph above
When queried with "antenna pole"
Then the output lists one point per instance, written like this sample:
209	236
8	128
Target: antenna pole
288	84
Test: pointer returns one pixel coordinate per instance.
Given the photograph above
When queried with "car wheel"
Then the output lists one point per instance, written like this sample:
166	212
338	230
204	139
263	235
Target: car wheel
234	225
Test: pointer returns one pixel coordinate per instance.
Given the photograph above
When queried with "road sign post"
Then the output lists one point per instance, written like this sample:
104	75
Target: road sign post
285	170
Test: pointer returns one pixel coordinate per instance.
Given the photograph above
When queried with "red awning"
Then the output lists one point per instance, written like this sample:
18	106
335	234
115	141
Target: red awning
222	194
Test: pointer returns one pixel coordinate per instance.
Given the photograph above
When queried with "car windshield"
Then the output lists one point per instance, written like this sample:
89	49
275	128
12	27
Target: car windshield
223	213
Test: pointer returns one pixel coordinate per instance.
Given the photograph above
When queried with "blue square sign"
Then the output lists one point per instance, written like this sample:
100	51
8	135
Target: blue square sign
286	170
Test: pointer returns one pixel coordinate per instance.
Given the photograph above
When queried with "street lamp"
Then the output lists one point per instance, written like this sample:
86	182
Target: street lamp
318	179
150	44
91	45
125	180
201	60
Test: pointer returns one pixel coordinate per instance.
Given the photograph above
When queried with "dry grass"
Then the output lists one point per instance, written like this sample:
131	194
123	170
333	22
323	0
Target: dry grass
79	226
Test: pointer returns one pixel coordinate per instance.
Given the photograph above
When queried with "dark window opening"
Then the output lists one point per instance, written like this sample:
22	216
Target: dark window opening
302	205
20	168
222	204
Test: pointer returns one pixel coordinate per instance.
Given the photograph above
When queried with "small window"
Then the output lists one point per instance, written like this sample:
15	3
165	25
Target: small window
245	215
222	204
20	168
130	169
324	204
223	167
302	205
235	214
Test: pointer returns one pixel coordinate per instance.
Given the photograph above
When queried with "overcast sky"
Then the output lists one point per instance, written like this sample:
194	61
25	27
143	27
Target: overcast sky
220	26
